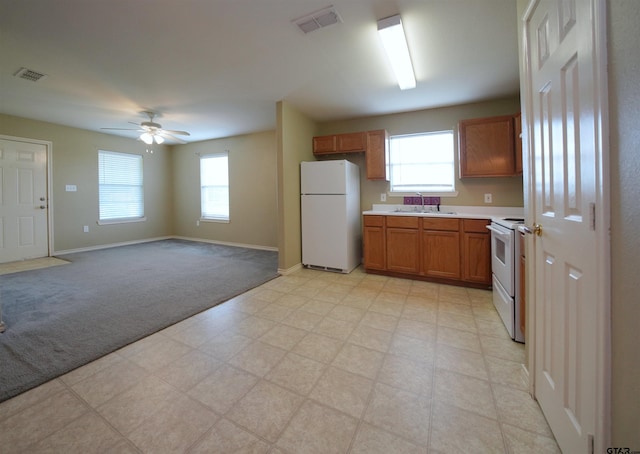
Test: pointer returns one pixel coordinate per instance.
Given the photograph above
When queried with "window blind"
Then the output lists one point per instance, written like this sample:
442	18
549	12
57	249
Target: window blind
120	185
214	186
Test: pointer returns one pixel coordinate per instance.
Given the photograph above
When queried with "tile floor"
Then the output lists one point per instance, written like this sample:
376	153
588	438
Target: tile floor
312	362
25	265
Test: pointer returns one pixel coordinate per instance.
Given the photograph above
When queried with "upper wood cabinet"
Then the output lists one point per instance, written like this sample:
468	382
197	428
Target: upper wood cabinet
517	127
324	144
377	155
487	147
355	142
374	144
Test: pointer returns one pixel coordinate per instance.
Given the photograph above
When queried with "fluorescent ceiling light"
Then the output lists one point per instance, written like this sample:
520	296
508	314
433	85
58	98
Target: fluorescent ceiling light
395	45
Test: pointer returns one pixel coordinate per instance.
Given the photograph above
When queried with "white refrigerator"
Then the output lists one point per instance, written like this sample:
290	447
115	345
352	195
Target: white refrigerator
330	199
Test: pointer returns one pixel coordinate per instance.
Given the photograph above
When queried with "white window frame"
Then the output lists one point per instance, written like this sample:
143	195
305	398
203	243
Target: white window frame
208	212
120	187
447	167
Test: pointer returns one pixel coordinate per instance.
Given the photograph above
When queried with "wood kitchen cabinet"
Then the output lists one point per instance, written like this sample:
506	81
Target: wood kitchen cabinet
324	144
377	155
355	142
374	242
517	128
487	147
403	244
441	248
476	251
374	144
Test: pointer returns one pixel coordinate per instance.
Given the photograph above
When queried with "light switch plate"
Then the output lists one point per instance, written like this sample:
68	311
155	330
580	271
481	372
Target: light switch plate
488	198
71	188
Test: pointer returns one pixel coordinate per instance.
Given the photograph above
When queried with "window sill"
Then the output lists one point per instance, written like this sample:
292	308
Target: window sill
121	221
218	220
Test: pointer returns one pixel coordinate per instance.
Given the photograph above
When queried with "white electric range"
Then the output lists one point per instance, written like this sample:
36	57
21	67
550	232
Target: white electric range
505	252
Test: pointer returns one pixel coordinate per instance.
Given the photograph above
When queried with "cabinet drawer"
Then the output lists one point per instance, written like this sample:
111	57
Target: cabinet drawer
373	221
451	224
475	225
402	222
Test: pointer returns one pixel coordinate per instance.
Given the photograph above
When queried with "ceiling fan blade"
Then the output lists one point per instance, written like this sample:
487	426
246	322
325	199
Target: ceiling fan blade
170	136
180	133
123	129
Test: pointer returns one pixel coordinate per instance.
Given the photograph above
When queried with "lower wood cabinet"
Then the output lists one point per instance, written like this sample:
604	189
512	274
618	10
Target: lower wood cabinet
403	244
374	238
441	247
451	250
476	251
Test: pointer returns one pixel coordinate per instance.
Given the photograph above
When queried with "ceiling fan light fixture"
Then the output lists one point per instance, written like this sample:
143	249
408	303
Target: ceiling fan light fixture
158	138
146	138
395	45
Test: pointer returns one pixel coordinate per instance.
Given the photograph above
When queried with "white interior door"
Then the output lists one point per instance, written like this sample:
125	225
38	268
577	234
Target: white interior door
23	201
564	127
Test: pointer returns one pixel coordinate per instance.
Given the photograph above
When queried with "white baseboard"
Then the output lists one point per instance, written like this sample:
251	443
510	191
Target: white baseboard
107	246
287	271
227	243
148	240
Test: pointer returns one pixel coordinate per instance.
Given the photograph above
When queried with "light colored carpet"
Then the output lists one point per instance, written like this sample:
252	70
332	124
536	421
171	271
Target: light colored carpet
63	317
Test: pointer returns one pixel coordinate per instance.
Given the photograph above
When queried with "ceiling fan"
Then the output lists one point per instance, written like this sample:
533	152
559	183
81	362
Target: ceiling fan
151	131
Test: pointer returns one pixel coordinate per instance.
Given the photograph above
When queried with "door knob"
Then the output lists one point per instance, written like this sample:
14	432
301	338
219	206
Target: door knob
536	229
42	199
42	207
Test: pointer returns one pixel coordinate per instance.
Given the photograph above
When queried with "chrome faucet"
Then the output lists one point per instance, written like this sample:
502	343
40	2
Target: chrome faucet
421	199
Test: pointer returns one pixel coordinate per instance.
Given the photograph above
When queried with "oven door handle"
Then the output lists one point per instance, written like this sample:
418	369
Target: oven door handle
499	232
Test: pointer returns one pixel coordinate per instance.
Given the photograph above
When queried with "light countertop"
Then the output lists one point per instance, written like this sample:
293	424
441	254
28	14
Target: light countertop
447	211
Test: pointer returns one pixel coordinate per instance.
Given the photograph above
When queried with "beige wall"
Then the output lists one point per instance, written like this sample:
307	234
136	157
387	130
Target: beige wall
624	108
252	198
506	191
295	132
75	161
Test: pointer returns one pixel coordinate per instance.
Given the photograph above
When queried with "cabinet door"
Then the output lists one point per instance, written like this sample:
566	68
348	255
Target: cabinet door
487	147
376	155
356	141
374	249
477	257
517	128
441	254
324	144
403	252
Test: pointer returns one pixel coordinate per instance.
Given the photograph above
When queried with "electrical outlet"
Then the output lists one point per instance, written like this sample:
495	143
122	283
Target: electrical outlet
85	229
383	197
488	198
198	223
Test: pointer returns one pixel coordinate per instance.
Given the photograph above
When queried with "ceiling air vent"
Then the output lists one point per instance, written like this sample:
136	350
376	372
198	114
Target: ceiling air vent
322	18
29	74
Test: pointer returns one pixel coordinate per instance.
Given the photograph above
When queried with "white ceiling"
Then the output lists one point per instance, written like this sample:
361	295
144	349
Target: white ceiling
217	68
